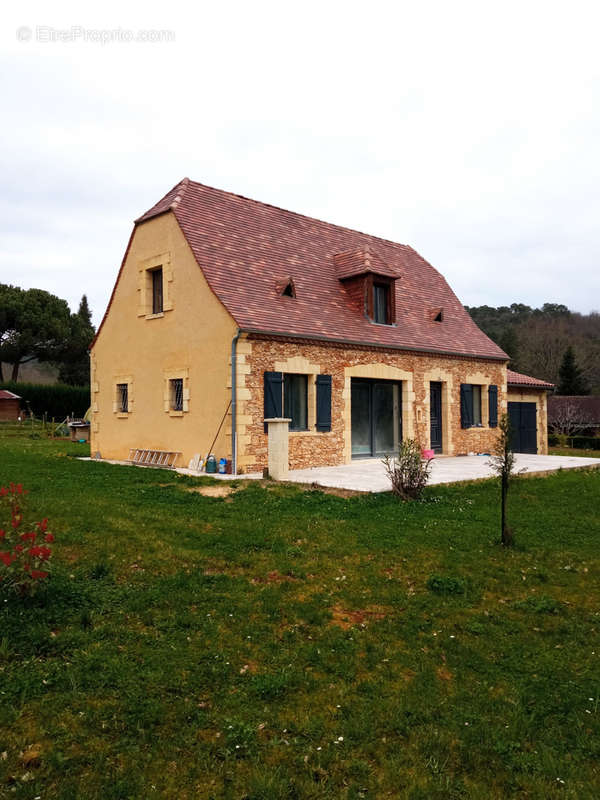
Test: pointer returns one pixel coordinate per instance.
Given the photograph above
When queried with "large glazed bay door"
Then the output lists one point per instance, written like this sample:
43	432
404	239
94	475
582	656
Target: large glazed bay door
435	411
376	417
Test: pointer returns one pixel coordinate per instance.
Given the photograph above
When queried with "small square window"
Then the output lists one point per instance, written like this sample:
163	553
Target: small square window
123	397
176	394
157	290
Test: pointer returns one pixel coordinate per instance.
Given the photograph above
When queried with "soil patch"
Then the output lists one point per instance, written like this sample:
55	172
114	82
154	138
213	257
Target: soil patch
344	618
213	491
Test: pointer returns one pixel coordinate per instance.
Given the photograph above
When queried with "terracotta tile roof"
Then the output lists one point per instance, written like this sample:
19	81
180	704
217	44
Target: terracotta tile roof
245	248
517	379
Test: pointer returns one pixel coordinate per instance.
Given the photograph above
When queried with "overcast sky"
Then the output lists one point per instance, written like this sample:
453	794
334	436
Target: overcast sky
470	131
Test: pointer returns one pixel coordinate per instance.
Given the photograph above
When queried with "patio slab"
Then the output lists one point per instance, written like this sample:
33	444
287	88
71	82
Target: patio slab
368	475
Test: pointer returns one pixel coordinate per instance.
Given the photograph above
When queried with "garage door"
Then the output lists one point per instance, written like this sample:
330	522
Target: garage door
523	421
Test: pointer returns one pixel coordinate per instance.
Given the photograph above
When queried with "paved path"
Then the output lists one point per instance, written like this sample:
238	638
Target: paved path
368	475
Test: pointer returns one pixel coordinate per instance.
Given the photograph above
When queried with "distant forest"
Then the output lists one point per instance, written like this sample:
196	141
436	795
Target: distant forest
536	339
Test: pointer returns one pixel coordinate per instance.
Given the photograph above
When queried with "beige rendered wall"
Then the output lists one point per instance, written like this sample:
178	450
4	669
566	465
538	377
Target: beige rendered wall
191	339
416	371
540	398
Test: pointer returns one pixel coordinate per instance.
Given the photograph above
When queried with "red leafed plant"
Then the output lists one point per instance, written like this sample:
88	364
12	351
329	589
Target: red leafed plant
24	547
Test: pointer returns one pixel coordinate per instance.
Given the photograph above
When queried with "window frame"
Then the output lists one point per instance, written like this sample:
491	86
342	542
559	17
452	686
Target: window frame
123	398
477	392
171	377
295	379
381	282
157	290
176	394
479	389
117	395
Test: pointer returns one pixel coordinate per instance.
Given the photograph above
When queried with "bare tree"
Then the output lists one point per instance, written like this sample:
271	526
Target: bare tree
566	417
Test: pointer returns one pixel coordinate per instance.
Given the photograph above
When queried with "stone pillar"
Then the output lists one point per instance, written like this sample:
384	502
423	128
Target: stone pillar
278	430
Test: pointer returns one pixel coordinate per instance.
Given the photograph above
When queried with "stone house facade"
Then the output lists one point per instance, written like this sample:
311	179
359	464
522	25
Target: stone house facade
227	311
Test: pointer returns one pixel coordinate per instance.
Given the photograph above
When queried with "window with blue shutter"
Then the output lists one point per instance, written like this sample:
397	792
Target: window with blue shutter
273	395
466	405
324	403
493	406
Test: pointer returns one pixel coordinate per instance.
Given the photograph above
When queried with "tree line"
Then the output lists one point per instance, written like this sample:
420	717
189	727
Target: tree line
35	324
552	343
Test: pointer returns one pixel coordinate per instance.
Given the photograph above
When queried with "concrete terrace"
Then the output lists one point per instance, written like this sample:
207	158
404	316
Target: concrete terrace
369	475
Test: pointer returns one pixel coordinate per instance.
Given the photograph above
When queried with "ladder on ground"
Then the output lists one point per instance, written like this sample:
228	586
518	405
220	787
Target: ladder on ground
154	458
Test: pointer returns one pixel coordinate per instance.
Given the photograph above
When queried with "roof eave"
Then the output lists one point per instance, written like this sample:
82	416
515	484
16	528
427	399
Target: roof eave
379	345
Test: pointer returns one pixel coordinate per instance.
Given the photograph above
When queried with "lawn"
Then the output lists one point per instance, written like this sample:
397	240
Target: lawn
572	451
287	643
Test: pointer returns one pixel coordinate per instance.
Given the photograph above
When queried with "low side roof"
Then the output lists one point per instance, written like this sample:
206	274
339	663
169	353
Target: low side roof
6	395
517	379
246	248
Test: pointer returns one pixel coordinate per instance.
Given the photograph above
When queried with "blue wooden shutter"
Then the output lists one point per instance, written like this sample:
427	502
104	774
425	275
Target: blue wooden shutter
324	402
493	405
273	395
466	405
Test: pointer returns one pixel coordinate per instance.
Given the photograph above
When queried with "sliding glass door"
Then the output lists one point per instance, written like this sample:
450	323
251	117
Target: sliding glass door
376	417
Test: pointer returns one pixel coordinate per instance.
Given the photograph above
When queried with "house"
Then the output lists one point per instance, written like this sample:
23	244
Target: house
10	406
227	311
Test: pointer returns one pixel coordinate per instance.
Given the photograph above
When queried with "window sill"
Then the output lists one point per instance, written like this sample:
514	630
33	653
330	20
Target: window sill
384	324
123	414
155	316
173	413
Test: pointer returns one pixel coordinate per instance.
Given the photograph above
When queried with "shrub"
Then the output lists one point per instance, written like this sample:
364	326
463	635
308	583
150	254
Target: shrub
408	471
446	584
24	547
55	400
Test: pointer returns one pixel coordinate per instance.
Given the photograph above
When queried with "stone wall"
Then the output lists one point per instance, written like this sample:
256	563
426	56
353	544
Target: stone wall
415	370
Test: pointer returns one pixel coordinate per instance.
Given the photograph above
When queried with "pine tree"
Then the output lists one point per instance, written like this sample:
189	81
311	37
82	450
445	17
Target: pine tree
75	362
570	379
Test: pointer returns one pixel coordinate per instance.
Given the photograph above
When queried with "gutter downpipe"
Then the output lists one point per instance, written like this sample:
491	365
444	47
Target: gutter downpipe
234	342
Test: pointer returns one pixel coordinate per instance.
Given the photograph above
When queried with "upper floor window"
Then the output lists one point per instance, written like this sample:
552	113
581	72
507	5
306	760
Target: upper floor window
381	303
157	290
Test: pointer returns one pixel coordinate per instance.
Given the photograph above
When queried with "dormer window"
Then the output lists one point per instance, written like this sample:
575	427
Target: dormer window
370	284
380	306
286	288
437	315
380	303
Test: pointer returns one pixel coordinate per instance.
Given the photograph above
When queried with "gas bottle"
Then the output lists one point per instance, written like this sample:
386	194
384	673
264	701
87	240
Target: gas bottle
211	464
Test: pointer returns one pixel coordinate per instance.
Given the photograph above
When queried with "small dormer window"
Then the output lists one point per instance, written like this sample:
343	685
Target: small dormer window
381	303
438	315
286	287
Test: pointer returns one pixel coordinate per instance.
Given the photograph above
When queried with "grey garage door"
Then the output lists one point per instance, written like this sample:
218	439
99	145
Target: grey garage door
523	421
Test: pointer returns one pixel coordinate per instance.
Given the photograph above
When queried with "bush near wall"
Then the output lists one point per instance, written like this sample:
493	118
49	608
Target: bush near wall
576	442
56	400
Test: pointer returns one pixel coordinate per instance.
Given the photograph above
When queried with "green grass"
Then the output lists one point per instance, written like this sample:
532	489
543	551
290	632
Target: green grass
573	451
284	643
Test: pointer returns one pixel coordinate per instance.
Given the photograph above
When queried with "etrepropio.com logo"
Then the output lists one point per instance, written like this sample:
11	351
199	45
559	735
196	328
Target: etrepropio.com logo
46	34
